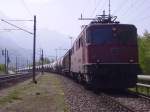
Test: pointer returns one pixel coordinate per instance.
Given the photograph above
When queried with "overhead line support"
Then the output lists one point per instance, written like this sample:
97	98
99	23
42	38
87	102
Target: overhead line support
34	43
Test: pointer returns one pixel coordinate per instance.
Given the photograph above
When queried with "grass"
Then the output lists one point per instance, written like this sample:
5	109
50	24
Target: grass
46	95
142	90
14	95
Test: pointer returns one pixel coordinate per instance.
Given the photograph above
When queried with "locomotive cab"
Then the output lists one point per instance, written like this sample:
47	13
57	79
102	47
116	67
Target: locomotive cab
112	55
105	54
112	44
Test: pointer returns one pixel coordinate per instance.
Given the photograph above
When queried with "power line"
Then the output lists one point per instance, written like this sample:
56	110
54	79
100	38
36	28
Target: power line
95	9
120	6
16	26
18	20
142	19
34	44
136	6
26	7
136	17
103	5
9	29
124	14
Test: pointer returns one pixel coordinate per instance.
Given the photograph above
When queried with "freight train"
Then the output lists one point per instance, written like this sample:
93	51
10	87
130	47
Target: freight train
105	55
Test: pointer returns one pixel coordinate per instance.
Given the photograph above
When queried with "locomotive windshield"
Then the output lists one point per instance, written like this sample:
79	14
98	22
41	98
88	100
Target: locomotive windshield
119	34
101	36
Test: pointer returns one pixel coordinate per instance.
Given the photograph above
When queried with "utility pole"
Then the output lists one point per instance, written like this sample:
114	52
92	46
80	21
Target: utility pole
7	61
28	66
42	62
56	53
5	53
34	49
16	64
34	40
27	63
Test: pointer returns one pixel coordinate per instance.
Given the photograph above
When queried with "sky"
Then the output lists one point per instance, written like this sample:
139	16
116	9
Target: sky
62	15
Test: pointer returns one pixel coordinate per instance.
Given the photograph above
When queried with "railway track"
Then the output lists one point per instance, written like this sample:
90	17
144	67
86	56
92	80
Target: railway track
82	100
115	105
6	79
128	102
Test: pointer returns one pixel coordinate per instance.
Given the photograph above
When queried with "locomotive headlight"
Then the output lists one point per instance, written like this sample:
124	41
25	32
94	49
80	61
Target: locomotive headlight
98	61
114	29
131	60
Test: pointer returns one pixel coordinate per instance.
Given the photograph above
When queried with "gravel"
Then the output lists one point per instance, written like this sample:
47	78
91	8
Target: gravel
79	99
135	103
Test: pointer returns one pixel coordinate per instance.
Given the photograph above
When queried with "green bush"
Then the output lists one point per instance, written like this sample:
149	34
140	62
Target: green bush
144	52
2	67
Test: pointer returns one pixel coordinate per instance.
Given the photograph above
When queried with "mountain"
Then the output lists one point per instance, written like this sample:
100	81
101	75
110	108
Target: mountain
20	44
14	49
47	40
51	40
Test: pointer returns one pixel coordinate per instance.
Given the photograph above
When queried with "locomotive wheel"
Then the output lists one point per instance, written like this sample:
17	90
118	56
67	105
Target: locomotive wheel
88	86
79	78
88	83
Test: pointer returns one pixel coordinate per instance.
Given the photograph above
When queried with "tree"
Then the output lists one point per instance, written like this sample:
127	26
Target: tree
45	61
146	35
144	52
2	68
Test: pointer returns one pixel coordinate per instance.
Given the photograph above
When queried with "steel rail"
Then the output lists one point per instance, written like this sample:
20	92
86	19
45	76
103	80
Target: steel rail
112	101
8	78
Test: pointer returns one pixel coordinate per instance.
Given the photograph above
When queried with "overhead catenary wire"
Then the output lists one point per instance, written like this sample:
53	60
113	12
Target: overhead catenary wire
120	6
124	10
138	18
131	9
95	8
134	7
16	26
98	5
18	20
26	7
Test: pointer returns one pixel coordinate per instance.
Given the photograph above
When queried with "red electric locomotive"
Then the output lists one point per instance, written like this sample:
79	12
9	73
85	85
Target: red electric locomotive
105	55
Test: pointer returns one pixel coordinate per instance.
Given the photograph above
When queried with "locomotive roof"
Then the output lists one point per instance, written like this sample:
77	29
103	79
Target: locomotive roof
101	24
106	24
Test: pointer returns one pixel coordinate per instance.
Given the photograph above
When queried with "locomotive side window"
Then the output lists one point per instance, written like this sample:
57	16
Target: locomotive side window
79	43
